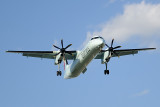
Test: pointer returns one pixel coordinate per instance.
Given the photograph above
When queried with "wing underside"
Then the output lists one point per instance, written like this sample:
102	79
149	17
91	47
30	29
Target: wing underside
44	54
122	52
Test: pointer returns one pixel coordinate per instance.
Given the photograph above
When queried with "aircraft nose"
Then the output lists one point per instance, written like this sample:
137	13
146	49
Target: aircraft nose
101	43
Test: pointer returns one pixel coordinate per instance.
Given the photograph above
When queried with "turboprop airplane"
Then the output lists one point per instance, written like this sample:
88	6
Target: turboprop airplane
93	50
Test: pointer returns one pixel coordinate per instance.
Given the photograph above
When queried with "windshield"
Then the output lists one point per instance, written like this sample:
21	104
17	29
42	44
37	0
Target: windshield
96	37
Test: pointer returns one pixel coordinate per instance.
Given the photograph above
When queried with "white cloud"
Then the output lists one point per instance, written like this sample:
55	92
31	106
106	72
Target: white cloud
144	92
110	2
139	20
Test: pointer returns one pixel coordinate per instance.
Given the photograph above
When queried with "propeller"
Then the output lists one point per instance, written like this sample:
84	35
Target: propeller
62	50
111	48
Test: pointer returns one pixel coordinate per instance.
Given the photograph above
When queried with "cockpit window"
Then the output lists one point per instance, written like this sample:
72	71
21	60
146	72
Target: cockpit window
96	37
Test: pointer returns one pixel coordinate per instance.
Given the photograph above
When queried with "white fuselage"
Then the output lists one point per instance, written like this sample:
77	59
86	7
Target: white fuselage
83	58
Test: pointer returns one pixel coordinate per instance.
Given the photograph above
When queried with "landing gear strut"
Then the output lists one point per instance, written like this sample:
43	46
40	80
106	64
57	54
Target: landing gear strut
106	71
59	73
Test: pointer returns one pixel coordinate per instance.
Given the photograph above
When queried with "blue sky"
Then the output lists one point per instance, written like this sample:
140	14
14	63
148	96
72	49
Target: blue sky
37	25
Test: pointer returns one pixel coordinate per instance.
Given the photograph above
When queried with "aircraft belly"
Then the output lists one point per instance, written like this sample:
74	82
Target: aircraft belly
79	65
76	68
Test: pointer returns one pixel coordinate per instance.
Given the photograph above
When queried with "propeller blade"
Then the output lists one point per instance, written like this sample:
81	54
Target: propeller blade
56	47
104	50
116	47
62	43
68	46
107	45
112	42
57	54
66	61
115	53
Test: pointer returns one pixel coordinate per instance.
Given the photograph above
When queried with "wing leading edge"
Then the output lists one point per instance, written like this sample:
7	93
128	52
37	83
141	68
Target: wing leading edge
122	52
44	54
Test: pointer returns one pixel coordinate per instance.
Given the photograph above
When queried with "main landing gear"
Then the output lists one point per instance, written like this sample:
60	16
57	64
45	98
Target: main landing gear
106	71
59	73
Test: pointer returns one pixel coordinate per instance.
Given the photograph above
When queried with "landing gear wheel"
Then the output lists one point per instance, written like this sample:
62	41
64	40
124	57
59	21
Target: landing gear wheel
106	72
59	73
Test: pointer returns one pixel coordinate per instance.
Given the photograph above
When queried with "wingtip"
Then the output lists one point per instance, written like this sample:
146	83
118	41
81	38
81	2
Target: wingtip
9	51
153	48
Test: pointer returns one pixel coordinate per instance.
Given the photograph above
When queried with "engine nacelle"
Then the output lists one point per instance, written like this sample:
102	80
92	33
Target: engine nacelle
58	59
106	57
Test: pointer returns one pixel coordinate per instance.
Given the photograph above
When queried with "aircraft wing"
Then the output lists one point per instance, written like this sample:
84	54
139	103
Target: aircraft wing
122	52
45	54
